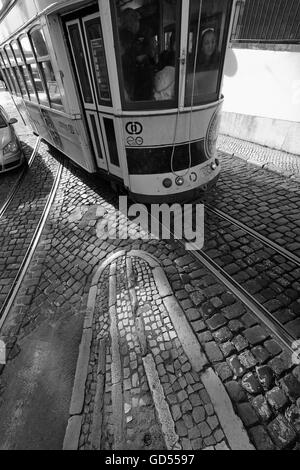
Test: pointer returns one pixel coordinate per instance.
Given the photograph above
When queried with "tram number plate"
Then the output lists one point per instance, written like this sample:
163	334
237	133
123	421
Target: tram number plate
134	128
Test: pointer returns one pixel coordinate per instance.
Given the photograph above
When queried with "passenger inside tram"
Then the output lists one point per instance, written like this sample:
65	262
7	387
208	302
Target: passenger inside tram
164	81
147	53
209	56
137	52
205	40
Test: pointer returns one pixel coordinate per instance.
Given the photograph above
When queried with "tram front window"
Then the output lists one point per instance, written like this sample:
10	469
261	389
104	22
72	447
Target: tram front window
207	28
148	35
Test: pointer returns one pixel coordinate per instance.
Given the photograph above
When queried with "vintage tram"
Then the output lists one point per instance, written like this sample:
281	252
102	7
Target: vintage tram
127	88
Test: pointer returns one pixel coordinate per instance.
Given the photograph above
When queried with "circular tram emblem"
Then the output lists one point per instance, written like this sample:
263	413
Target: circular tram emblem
134	128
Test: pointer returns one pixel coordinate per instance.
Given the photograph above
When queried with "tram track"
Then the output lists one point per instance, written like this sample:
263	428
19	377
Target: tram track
262	202
19	180
21	272
284	337
265	317
266	241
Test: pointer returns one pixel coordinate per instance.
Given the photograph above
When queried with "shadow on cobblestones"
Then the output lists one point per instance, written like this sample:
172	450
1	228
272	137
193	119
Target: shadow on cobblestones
263	201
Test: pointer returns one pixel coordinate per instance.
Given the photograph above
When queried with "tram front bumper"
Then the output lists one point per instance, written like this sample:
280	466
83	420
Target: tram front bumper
186	193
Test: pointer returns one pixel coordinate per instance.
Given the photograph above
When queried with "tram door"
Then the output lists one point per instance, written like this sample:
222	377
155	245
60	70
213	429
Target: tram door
86	44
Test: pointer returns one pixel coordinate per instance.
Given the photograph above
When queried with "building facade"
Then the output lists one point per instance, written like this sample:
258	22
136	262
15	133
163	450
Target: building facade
262	74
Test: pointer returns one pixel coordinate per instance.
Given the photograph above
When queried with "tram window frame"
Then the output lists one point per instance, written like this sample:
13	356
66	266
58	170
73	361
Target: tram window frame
208	97
30	61
156	105
21	64
12	79
42	59
5	75
3	71
11	67
18	70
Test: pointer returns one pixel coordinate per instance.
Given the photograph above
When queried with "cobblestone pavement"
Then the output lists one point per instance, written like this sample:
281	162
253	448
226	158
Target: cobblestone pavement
264	201
149	335
268	276
274	160
26	207
9	179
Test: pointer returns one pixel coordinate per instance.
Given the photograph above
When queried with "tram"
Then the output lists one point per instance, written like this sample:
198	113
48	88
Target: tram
127	88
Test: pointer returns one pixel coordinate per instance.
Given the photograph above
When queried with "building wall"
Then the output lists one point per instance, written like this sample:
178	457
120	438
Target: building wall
262	96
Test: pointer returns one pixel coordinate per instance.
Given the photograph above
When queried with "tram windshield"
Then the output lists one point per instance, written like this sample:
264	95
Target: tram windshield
206	36
148	37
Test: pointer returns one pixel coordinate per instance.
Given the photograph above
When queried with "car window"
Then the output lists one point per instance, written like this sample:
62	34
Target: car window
3	122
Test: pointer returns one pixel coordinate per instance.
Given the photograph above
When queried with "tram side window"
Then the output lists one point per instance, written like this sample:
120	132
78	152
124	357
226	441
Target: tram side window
4	79
21	81
33	70
43	59
14	60
29	85
9	74
148	42
14	72
12	81
23	70
4	74
205	44
38	84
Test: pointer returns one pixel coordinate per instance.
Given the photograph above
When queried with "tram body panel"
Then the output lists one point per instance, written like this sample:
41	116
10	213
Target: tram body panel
64	133
167	129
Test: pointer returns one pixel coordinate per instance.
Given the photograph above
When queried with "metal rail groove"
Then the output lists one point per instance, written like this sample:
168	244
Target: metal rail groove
20	179
285	338
277	248
260	312
4	311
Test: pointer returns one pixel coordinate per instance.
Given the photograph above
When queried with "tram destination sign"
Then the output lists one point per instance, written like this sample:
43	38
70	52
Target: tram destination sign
100	67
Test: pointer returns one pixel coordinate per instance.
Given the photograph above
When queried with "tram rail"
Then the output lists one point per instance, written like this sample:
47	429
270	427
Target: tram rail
19	179
257	308
266	241
284	337
11	296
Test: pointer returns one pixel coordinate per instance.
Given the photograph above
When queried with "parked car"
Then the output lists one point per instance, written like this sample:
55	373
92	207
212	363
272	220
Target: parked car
11	155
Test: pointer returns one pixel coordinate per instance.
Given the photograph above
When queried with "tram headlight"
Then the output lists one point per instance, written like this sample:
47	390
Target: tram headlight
212	134
167	183
11	147
179	181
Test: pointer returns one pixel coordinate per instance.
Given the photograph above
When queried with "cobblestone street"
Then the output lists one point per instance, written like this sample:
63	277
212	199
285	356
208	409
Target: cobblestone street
135	344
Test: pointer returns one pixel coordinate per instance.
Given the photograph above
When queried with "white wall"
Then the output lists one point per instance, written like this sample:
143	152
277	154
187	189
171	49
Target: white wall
263	83
262	97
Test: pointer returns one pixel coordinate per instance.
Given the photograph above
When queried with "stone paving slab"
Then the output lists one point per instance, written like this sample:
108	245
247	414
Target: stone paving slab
271	159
